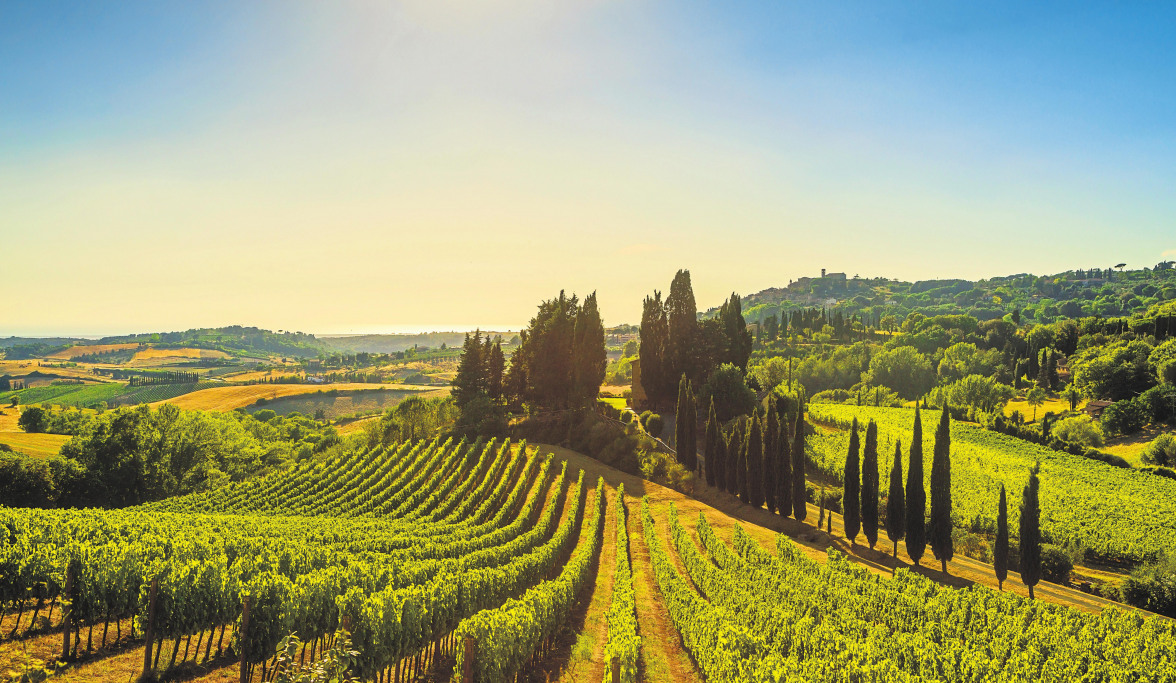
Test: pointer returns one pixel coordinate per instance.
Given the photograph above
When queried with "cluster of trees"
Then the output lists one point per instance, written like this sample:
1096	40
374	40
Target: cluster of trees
674	342
168	377
131	456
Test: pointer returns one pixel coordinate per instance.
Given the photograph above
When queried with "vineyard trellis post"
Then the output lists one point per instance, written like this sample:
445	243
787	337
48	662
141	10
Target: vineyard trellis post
467	660
615	665
241	639
149	632
67	609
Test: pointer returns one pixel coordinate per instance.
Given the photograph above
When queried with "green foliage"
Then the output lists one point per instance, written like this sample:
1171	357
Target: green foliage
1030	531
411	419
1056	564
1153	586
624	644
902	369
973	391
1161	451
730	393
34	420
1115	371
1079	429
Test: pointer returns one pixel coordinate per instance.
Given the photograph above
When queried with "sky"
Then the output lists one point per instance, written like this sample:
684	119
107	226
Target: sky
439	164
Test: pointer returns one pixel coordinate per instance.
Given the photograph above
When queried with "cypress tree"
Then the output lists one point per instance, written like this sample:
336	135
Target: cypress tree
1031	532
870	485
850	499
656	376
741	466
799	507
1000	554
940	526
784	472
734	453
682	319
754	463
771	455
1052	372
916	496
681	441
691	429
712	448
470	380
895	505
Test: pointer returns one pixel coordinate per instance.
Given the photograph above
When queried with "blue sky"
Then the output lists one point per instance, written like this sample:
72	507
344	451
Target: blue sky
359	166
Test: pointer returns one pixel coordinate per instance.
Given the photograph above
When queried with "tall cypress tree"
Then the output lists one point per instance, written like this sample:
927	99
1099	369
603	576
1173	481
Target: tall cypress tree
589	357
940	526
771	455
916	496
1031	532
741	468
681	441
656	375
713	434
799	494
1000	554
691	429
850	499
895	505
734	457
755	463
870	485
784	471
682	316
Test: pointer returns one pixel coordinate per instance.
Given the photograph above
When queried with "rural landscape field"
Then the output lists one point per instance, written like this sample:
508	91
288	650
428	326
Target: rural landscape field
600	342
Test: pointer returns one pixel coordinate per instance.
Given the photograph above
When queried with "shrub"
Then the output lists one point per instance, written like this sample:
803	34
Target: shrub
1056	564
654	425
626	416
1080	430
33	420
1161	451
1152	587
729	391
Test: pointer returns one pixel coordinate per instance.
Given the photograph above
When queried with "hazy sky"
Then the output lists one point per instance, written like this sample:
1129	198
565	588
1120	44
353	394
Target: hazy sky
335	167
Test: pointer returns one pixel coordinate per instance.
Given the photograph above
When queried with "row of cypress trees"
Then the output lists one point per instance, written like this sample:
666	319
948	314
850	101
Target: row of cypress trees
757	459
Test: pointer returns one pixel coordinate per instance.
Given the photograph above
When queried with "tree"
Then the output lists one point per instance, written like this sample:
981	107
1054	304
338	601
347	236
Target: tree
738	339
850	500
916	496
470	380
771	449
940	526
589	357
682	315
714	432
784	471
754	463
1035	398
692	429
729	391
902	369
34	420
741	467
682	423
1073	395
869	507
548	352
895	505
734	458
655	370
1000	554
1031	531
495	368
799	497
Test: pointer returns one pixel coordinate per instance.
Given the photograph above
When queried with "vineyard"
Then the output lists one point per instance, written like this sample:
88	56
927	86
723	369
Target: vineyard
415	549
1115	514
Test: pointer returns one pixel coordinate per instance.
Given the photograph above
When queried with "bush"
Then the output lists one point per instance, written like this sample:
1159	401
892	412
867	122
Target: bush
1152	587
654	425
33	420
626	416
265	415
1080	430
729	391
1125	417
1161	451
1056	564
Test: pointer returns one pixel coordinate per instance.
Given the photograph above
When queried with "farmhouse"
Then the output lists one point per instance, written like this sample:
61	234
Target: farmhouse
1095	408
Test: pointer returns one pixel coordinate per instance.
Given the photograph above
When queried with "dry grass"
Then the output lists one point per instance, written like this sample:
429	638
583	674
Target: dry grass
38	445
231	398
153	356
66	354
1130	447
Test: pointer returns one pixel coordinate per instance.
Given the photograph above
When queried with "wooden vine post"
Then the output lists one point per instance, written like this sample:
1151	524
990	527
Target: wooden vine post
467	660
67	608
615	664
149	633
241	639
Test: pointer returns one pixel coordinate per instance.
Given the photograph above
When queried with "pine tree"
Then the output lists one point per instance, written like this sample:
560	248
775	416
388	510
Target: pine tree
470	380
870	485
713	434
1031	531
799	494
916	496
771	451
784	471
895	505
755	462
1000	554
940	526
850	499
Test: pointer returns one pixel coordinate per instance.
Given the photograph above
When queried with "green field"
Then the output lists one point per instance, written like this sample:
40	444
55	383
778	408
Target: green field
336	404
1116	514
93	395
